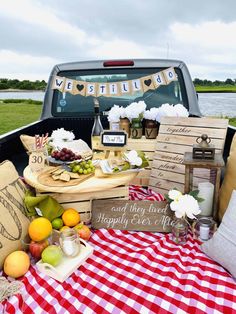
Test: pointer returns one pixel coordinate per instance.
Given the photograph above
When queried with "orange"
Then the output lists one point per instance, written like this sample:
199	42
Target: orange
16	264
40	229
64	227
70	217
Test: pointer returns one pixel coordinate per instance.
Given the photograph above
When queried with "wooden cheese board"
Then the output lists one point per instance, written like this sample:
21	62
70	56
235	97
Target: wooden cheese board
45	178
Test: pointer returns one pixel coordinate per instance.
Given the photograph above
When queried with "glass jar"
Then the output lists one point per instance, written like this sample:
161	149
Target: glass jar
115	126
150	129
136	128
125	125
70	242
204	228
179	231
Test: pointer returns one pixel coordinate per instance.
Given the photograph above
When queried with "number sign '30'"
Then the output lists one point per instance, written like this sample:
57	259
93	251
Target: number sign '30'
36	161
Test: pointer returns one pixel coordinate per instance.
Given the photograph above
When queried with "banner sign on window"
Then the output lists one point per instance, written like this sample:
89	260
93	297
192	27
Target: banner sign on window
129	87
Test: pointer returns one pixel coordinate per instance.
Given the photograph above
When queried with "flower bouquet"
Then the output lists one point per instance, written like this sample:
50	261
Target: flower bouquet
184	206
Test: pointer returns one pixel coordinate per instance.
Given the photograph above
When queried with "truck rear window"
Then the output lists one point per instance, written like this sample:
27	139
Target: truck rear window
65	103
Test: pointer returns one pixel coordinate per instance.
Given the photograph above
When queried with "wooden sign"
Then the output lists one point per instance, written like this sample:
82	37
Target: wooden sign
132	215
37	160
177	136
114	138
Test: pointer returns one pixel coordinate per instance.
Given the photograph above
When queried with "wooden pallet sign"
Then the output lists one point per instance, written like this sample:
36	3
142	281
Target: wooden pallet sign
177	136
152	216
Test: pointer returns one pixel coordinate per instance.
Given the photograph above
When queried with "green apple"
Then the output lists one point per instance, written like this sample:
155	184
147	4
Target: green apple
52	255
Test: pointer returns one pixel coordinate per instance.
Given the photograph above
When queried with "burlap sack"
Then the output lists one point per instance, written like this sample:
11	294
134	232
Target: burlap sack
28	142
13	220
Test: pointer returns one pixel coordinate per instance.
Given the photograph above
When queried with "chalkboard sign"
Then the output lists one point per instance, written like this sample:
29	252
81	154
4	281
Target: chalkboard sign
114	138
132	215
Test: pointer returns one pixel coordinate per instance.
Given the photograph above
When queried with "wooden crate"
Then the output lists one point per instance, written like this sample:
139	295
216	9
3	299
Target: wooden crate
148	146
82	202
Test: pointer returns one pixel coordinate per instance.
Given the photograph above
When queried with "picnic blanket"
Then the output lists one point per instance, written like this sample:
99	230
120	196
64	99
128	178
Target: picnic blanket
132	272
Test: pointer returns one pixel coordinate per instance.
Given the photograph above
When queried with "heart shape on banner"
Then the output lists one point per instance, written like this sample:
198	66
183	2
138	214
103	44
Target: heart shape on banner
148	82
80	87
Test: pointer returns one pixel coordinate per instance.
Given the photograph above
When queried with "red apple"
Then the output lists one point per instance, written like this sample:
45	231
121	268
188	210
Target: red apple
36	248
83	231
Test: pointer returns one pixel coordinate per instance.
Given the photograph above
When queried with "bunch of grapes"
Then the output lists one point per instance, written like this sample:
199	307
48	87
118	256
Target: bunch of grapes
83	167
65	155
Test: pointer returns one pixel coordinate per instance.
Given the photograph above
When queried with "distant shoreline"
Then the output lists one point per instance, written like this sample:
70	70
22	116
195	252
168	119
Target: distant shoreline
12	90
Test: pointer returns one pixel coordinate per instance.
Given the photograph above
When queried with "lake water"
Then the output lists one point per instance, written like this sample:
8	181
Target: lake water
211	104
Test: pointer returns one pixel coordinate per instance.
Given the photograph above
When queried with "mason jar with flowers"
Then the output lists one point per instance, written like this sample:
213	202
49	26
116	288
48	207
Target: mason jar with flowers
114	117
184	206
151	126
135	112
167	110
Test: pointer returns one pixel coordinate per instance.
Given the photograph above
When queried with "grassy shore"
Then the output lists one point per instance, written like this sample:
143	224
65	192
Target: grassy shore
216	89
17	113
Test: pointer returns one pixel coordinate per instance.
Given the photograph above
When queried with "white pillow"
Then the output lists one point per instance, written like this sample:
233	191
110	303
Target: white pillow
222	246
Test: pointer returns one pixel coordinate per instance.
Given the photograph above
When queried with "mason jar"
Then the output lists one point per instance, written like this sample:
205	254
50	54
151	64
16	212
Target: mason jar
136	128
151	129
70	242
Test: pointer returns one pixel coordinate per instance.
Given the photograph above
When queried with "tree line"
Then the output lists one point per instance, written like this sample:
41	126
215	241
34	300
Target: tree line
41	85
24	85
200	82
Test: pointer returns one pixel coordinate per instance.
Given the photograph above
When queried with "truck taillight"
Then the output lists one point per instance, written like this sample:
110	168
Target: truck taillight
118	63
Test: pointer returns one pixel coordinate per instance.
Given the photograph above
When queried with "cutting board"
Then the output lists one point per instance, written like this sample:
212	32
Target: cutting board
45	178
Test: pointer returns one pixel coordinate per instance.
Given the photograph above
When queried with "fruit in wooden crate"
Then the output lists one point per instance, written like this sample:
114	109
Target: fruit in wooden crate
40	229
36	248
83	231
52	255
16	264
70	217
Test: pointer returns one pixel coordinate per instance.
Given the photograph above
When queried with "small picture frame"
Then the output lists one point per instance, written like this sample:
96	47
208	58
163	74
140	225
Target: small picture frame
114	138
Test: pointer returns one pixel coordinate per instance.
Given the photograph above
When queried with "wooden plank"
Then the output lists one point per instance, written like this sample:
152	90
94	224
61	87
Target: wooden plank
186	140
156	183
168	166
132	215
202	122
147	145
180	149
119	191
192	131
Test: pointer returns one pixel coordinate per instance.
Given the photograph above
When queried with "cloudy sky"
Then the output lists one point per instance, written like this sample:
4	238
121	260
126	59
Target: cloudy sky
37	34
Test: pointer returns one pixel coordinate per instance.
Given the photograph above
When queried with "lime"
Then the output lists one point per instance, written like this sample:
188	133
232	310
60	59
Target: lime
57	223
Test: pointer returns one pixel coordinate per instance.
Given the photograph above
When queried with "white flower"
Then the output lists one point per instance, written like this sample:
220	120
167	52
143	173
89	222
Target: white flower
135	110
151	114
62	135
171	111
133	158
181	111
174	194
185	205
115	113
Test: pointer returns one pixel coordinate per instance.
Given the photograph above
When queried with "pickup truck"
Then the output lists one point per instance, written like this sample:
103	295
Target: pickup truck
76	112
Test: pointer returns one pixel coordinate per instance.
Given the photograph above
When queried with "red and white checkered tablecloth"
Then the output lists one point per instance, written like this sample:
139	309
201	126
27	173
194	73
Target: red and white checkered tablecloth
132	272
